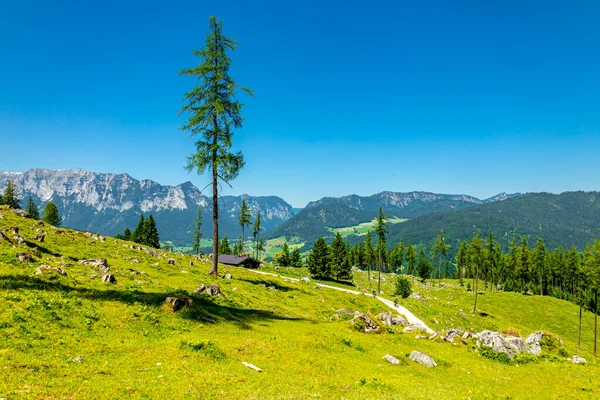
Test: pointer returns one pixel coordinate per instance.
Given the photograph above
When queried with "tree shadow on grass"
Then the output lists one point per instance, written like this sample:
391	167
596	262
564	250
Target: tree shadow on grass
267	283
42	249
204	310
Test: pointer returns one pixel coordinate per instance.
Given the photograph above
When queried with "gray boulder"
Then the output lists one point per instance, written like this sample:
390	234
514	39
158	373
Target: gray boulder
534	341
452	333
517	344
101	263
46	268
422	358
305	279
413	327
171	261
578	360
495	341
25	257
228	276
391	359
386	318
368	323
109	278
468	335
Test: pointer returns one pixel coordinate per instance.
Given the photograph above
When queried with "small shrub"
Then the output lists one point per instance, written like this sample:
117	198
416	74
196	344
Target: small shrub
563	353
403	287
468	286
487	352
206	347
358	325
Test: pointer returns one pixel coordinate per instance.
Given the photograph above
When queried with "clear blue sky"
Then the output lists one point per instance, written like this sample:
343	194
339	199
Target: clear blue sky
351	96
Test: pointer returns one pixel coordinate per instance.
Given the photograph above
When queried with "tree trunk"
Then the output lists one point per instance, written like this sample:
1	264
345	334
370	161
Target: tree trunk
579	331
475	288
541	285
595	321
379	274
215	259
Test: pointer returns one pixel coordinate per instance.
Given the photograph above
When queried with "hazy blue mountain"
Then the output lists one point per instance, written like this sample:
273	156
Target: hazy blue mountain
108	203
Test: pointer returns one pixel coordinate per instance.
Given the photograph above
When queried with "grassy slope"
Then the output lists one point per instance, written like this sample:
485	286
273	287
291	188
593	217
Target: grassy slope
124	331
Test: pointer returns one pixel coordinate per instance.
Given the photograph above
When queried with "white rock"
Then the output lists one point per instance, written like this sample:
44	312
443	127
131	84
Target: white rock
391	359
422	358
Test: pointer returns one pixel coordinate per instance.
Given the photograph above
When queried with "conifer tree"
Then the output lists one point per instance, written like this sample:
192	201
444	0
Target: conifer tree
11	195
477	257
256	228
198	230
51	214
213	113
539	262
317	261
369	254
462	257
411	260
224	246
424	267
152	238
493	259
440	251
244	221
339	264
139	233
32	209
127	234
283	257
260	247
523	264
381	230
296	258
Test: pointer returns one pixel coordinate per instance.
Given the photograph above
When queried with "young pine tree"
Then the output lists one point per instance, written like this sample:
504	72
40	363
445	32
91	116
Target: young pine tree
477	257
381	230
296	258
213	113
139	233
411	260
369	254
244	221
127	234
283	257
51	214
339	264
224	246
256	228
32	209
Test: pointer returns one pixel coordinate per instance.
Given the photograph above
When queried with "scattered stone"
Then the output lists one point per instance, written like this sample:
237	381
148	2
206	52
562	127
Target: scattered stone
346	312
534	341
271	288
21	213
1	216
578	360
211	290
452	333
177	303
434	335
495	341
40	223
413	327
391	359
468	335
228	276
39	237
4	237
399	320
389	320
109	278
191	263
25	257
369	324
101	263
135	272
77	360
135	260
13	229
152	252
421	337
422	358
46	268
251	366
170	261
19	239
415	296
305	279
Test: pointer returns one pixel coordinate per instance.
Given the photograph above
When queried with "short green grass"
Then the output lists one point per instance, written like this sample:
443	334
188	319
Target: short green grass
362	229
134	345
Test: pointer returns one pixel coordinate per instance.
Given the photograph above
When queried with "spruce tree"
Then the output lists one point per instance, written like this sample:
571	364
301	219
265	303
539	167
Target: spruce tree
424	267
539	262
51	214
198	230
224	246
256	228
339	264
411	260
213	113
127	234
260	247
139	233
11	195
461	260
296	258
283	257
369	254
381	230
32	209
317	261
152	238
477	257
244	221
439	253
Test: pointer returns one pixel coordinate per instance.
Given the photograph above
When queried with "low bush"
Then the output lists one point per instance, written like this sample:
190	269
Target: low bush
403	287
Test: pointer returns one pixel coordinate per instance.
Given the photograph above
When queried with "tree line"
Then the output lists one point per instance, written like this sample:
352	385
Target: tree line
12	198
145	233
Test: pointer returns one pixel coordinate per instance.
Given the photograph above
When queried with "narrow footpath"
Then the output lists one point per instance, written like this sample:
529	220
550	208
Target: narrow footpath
410	317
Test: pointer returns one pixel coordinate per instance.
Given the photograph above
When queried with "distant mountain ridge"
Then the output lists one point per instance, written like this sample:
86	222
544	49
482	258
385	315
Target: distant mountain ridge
108	203
336	212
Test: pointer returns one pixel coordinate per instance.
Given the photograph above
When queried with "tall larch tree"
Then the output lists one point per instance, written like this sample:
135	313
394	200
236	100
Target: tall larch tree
11	195
256	228
439	253
212	115
381	230
198	230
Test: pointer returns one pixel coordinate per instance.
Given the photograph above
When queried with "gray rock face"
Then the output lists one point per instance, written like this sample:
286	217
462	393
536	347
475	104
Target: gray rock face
422	358
228	276
495	341
109	278
391	359
517	344
452	333
468	335
25	257
389	320
534	342
369	324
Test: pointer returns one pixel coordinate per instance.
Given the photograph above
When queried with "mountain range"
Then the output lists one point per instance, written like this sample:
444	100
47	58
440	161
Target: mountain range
108	203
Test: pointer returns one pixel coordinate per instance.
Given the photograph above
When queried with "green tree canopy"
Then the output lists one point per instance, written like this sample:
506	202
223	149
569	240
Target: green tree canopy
32	209
51	214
